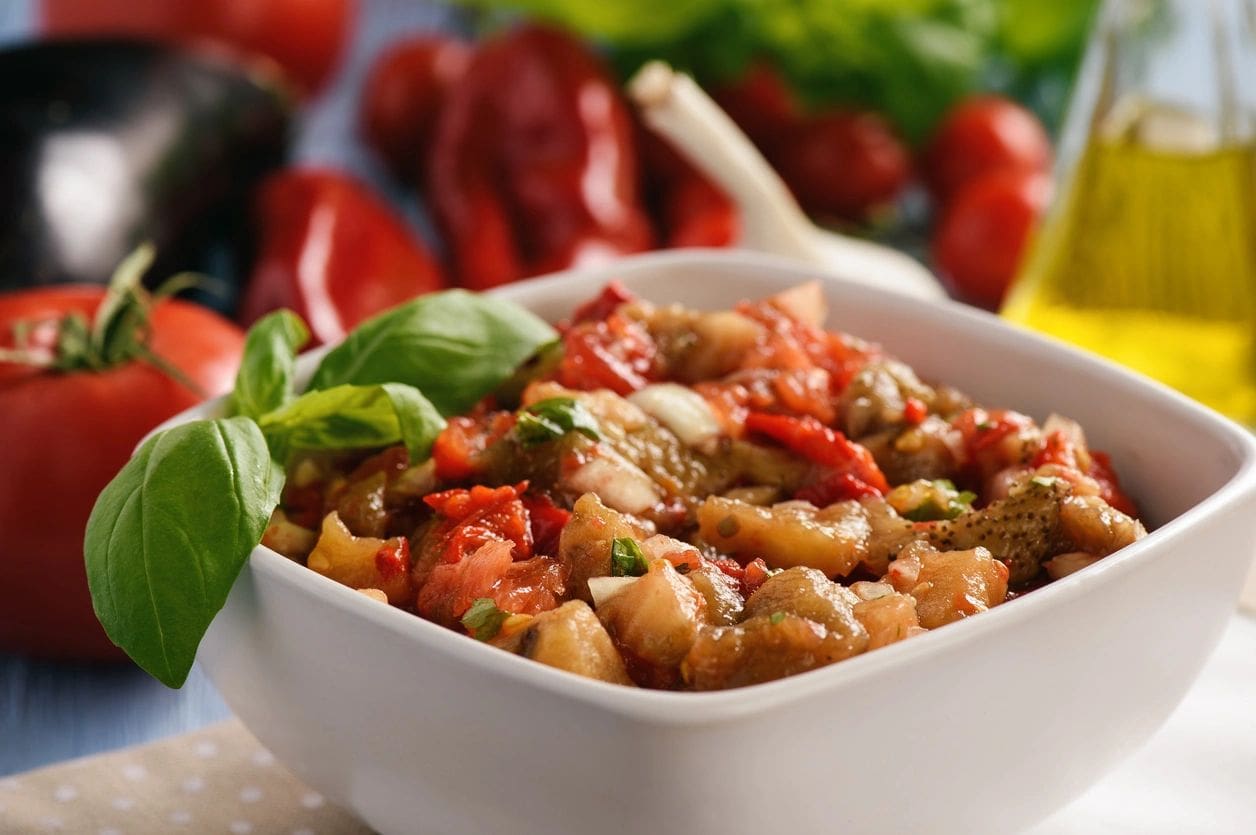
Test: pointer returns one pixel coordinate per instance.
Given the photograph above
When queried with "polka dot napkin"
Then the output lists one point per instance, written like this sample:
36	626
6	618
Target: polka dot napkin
218	779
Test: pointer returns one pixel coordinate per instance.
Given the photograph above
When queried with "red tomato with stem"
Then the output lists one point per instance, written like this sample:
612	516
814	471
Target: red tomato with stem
65	433
981	135
304	37
403	96
981	238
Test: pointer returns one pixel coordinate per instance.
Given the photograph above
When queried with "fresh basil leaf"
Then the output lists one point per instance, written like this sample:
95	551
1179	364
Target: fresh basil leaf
484	620
453	346
626	558
354	417
169	534
548	420
264	382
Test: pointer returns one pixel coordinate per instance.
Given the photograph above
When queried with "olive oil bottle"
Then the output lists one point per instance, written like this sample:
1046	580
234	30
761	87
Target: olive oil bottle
1149	254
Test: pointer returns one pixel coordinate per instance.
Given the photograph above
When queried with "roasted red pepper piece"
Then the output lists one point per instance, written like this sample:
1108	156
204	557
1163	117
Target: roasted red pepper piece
603	304
333	252
816	442
546	521
482	514
403	97
837	487
616	353
533	167
459	445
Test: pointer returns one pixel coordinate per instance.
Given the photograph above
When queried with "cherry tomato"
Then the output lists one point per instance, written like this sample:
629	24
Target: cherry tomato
981	237
333	252
63	436
842	164
403	96
304	37
761	102
981	135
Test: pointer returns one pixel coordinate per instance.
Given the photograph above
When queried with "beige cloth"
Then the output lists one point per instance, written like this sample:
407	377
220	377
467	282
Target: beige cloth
219	780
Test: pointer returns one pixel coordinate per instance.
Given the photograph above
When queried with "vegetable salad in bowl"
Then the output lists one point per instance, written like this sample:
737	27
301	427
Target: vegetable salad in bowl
663	497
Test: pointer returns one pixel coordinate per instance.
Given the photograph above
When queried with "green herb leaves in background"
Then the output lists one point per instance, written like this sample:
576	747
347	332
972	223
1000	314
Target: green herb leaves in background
169	534
453	346
268	369
548	420
909	59
354	417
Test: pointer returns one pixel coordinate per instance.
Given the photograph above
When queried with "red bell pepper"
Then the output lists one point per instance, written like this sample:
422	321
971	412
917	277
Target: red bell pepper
333	252
533	166
827	447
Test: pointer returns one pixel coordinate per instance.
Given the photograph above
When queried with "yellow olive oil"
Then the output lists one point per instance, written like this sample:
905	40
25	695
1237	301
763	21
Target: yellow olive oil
1150	259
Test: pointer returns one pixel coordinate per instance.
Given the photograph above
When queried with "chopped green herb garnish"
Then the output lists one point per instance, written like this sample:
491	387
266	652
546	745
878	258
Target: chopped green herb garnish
626	558
1043	481
484	620
932	510
777	617
548	420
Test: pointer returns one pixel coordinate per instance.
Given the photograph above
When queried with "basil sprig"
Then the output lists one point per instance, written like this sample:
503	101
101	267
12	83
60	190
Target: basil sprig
454	346
550	419
269	366
170	533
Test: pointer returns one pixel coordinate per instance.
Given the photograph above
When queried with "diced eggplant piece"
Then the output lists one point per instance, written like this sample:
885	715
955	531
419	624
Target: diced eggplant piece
948	585
584	546
570	638
887	615
833	539
654	622
761	649
363	561
1022	530
809	594
724	604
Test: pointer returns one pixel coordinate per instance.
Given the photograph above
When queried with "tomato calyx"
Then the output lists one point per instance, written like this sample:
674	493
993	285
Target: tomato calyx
118	333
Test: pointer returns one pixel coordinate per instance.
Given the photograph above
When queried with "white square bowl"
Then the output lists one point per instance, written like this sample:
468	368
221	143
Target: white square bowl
986	725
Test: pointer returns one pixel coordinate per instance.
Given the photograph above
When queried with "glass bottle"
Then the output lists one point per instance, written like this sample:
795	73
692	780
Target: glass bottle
1148	254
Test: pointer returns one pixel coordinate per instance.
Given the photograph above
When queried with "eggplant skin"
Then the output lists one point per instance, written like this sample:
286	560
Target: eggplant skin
108	143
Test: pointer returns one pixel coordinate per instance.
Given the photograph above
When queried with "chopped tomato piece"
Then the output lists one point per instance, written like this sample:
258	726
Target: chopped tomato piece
914	411
464	439
393	558
816	442
604	304
1058	448
798	392
520	587
474	517
756	573
793	344
617	354
984	430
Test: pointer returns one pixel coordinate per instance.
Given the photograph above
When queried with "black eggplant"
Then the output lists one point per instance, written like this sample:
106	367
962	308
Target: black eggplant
107	143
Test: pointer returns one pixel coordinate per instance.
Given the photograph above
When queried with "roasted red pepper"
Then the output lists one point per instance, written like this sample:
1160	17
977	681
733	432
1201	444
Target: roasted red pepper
689	209
827	447
333	252
533	167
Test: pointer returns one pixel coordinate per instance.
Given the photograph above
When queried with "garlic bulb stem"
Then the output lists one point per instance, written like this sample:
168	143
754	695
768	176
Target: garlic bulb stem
676	108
